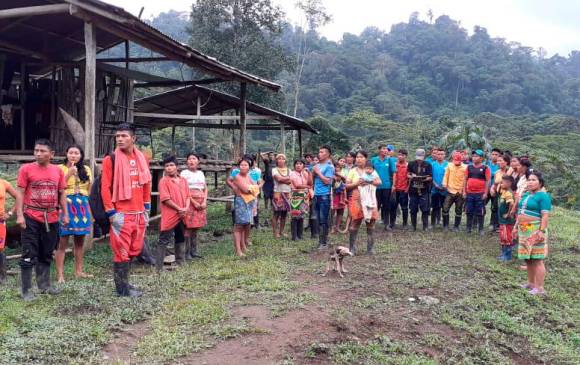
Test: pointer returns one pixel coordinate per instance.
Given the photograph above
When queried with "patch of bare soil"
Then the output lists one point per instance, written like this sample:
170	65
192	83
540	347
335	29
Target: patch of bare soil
121	349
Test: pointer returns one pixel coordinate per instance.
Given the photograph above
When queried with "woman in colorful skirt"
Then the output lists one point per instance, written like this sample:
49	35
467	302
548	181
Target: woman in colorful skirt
353	181
300	198
195	218
246	192
338	197
281	199
78	179
531	226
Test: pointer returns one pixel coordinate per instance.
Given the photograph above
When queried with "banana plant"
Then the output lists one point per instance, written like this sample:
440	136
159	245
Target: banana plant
466	135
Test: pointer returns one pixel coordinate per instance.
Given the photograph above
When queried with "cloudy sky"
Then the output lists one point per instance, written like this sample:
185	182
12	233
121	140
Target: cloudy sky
553	25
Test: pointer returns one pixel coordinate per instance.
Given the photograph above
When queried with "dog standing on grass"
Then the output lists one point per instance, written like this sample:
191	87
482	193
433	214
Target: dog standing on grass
338	254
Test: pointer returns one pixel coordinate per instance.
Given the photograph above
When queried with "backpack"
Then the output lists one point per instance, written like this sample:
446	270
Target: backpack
96	202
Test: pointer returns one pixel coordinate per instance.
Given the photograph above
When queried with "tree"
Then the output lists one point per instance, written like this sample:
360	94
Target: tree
467	135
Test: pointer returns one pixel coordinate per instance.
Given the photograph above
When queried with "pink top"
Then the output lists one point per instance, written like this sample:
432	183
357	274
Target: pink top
298	178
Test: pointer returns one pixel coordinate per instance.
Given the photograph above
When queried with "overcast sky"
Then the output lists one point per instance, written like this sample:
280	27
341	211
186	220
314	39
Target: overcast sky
554	24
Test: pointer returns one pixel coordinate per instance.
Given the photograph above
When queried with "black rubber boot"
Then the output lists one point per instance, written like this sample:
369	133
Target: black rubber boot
193	240
425	220
26	274
457	224
405	214
188	248
323	237
300	228
414	221
314	228
446	223
352	241
469	224
294	229
433	218
3	267
480	223
43	279
179	253
370	241
160	257
121	278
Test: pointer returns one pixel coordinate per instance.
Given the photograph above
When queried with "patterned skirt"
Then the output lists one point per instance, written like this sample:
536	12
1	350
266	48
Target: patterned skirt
281	202
79	216
530	245
243	212
196	218
505	234
299	204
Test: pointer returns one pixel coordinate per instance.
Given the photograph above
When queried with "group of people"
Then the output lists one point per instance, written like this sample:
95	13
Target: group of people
54	202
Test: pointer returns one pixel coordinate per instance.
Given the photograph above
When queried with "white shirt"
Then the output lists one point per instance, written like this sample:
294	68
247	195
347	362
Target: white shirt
281	187
195	180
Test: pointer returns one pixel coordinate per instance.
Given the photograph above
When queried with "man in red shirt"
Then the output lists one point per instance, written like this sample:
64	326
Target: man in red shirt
476	190
126	193
42	186
174	197
400	194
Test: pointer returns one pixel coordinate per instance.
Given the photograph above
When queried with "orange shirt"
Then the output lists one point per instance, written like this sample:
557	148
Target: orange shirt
402	180
141	195
177	191
4	186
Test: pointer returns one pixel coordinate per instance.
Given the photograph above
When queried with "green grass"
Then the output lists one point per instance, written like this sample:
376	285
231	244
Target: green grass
483	317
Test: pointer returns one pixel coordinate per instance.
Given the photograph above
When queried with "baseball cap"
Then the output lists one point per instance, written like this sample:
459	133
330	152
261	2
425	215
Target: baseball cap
420	154
390	147
478	152
457	156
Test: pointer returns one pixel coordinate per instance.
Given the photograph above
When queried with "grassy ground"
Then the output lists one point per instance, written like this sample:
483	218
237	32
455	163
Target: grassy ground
482	317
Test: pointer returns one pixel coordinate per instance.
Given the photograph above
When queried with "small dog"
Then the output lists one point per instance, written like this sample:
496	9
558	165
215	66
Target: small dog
337	256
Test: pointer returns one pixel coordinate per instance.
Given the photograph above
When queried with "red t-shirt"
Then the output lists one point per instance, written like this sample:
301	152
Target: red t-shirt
41	185
402	180
176	191
476	181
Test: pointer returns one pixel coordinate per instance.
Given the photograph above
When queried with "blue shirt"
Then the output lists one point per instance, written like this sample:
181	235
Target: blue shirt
493	167
327	170
255	174
438	174
385	168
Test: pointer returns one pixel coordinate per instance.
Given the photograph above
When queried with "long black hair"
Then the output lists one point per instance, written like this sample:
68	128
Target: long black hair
80	165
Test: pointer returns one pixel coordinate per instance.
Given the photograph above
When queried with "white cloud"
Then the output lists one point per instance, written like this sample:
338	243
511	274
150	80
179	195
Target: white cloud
536	23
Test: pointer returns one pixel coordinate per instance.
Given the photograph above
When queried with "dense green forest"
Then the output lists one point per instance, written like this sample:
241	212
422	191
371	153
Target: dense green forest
414	85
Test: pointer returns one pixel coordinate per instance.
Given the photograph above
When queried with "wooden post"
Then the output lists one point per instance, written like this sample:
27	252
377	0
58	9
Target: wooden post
173	140
89	101
90	86
23	82
282	138
243	99
198	105
300	151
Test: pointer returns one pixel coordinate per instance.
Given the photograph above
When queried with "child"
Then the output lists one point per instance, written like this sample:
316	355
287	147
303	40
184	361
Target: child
174	197
368	192
6	187
506	222
338	197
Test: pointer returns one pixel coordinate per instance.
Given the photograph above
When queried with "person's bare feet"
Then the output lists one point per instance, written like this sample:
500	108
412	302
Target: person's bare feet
60	280
523	267
83	275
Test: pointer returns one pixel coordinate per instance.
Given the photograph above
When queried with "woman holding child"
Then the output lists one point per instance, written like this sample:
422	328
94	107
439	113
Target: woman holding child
363	202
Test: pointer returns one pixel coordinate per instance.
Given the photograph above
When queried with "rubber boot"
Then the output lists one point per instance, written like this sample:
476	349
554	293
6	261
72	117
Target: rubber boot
457	224
508	253
405	218
469	224
160	257
480	223
414	221
300	228
26	273
121	278
425	220
193	245
501	256
446	223
294	229
3	267
43	279
370	241
352	241
323	237
179	253
314	229
433	218
438	217
188	255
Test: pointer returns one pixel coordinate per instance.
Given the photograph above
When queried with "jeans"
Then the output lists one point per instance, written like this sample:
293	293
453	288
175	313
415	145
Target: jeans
383	204
401	199
321	210
474	204
419	202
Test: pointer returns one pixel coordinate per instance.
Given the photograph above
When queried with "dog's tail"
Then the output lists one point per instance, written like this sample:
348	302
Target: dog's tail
347	225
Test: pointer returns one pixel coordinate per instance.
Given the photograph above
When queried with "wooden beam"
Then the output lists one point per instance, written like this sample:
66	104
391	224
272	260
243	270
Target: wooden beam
54	34
173	140
282	138
134	59
89	92
23	84
24	51
300	151
179	83
34	10
202	117
243	99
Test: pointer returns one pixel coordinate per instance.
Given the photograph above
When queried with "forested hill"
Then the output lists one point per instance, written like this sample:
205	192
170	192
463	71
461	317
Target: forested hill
437	69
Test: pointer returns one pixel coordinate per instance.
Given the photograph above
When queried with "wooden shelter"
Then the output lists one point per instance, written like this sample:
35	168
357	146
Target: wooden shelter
51	75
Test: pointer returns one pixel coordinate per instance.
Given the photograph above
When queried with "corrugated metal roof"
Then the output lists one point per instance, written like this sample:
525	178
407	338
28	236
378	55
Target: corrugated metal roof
213	102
